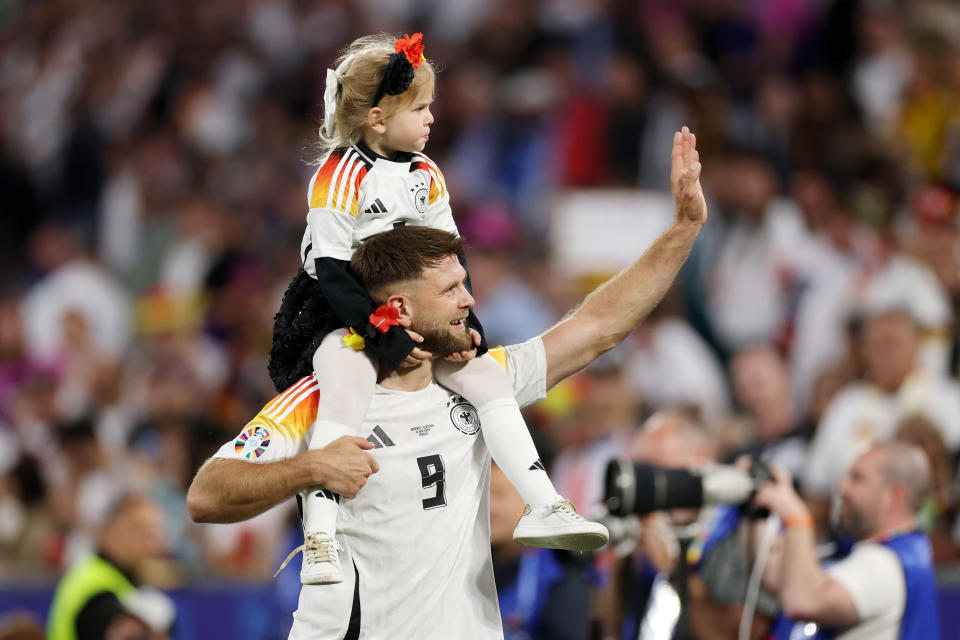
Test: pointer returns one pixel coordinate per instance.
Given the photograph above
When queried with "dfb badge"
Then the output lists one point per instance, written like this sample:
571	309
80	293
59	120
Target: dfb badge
464	416
420	197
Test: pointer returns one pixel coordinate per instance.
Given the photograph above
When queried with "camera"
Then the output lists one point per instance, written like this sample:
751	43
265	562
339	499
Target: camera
638	488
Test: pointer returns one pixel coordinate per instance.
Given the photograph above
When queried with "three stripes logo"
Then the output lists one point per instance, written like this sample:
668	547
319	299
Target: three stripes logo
329	495
379	438
537	465
376	208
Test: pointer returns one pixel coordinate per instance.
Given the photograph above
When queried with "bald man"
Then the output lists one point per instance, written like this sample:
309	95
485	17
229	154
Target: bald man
885	588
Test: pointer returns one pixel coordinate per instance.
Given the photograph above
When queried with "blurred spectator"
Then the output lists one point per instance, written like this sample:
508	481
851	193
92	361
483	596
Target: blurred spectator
543	593
100	592
895	386
604	420
750	282
774	428
670	366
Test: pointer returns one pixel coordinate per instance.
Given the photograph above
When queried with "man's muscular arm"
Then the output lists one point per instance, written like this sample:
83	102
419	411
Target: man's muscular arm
611	312
227	490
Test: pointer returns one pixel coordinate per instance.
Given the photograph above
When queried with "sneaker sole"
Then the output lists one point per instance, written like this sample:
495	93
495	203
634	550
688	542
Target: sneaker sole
565	541
322	579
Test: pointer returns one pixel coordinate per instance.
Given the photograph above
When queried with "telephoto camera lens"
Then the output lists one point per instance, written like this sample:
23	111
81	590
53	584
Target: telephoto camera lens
638	488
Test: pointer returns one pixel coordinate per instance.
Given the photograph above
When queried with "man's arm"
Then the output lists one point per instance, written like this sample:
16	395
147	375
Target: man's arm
806	591
233	490
611	312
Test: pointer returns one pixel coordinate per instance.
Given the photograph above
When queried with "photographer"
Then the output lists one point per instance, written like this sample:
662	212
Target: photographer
885	587
692	556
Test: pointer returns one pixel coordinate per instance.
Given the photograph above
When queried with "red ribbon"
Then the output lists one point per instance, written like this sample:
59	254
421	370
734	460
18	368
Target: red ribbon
384	318
412	47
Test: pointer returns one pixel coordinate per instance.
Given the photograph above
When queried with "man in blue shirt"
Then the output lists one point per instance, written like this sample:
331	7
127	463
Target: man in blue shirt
885	587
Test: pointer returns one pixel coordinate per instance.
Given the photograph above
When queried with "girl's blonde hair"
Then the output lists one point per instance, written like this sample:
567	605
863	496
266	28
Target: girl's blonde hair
357	87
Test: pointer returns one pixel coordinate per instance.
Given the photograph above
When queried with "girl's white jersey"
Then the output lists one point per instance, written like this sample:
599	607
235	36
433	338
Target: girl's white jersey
356	193
416	539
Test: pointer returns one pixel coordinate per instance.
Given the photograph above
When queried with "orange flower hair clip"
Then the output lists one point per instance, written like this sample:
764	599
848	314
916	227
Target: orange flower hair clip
401	67
385	317
412	48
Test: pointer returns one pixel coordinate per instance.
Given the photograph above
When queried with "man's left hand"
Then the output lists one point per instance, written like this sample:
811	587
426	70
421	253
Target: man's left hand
685	179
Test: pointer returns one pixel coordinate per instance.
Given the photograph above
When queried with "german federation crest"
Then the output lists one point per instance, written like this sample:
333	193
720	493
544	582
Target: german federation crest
464	416
253	442
421	199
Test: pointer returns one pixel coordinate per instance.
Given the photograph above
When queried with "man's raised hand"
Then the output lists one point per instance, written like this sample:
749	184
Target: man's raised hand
685	178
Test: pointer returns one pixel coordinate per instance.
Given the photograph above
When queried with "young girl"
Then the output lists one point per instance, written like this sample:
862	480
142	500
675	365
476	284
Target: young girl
372	177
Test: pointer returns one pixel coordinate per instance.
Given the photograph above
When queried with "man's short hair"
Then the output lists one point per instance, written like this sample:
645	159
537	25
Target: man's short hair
907	465
401	254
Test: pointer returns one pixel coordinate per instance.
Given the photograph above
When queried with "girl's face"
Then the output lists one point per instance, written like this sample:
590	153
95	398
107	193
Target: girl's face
409	129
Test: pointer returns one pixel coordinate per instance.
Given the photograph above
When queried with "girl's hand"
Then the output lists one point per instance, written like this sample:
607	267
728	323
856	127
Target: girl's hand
418	355
466	356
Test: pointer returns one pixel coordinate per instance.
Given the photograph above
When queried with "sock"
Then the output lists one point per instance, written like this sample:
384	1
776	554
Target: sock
346	378
485	384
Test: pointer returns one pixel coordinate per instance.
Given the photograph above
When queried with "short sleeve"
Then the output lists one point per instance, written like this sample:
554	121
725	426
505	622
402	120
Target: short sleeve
279	430
873	578
439	215
526	364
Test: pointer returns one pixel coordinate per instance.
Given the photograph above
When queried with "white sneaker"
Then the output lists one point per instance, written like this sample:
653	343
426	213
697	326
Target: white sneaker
559	526
321	560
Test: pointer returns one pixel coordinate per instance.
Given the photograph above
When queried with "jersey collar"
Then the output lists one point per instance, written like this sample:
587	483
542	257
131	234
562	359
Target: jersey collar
402	158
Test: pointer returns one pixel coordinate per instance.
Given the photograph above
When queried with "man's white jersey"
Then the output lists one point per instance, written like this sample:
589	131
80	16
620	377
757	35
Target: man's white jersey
356	194
416	539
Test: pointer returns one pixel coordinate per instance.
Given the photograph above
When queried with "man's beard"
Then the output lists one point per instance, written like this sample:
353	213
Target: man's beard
851	524
441	342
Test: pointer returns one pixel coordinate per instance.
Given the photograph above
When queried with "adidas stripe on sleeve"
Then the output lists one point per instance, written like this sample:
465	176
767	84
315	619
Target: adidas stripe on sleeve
334	199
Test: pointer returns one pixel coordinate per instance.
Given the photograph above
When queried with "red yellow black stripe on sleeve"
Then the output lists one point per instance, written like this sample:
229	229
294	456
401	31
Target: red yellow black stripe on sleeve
336	185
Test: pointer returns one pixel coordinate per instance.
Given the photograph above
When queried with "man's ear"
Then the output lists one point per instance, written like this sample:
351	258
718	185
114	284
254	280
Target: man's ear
404	307
375	120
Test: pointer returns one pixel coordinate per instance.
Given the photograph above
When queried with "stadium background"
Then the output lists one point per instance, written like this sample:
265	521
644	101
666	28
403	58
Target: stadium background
153	167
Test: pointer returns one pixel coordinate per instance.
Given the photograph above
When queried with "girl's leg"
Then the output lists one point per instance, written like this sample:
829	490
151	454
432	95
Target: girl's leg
550	521
346	379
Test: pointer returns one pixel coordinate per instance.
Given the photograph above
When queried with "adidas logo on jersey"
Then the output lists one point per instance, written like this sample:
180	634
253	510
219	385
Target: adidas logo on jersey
329	495
376	207
379	438
537	465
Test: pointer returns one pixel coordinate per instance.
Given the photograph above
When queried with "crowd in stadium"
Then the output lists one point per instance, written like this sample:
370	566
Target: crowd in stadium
153	167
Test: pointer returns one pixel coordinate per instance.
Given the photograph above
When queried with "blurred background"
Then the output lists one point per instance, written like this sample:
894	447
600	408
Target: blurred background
153	168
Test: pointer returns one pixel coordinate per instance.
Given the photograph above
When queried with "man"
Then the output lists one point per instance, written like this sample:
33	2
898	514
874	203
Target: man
762	386
885	588
98	596
713	574
897	385
417	538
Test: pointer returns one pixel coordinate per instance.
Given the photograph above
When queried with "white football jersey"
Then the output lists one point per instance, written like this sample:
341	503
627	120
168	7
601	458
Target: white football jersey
356	193
416	539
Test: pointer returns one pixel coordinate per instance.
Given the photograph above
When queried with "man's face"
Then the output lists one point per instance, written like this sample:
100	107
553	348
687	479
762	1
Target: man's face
441	303
890	348
864	496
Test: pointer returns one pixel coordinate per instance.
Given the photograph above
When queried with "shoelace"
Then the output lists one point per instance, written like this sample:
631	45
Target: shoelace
566	507
315	549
